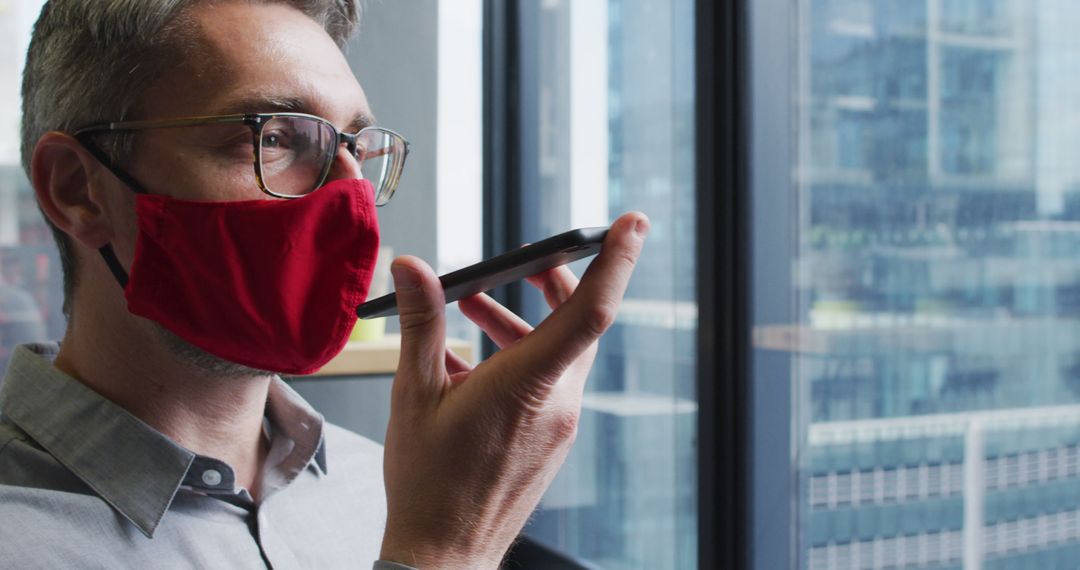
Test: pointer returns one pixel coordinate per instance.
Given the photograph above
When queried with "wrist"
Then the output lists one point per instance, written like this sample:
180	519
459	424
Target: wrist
424	556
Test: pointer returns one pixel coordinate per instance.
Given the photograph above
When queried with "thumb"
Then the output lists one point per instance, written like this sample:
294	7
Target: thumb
422	314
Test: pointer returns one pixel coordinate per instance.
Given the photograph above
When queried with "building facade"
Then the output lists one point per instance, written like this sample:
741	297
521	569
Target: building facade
938	284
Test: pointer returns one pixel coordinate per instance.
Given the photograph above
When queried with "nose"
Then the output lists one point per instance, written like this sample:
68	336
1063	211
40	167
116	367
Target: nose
345	165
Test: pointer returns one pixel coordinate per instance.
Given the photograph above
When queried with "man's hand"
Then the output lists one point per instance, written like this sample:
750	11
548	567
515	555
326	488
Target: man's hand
470	451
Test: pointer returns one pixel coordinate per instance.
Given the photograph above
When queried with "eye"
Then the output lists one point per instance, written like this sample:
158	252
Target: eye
275	139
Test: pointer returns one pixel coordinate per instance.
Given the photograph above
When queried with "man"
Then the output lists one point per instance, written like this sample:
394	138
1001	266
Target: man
186	151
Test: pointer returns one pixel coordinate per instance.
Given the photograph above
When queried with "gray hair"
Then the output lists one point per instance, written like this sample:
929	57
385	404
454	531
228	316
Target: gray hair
91	61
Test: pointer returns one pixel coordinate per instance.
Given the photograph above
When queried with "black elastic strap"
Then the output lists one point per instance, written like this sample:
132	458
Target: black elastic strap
109	256
106	250
91	147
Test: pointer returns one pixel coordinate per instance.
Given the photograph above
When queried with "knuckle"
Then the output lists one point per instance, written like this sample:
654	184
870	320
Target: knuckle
598	317
532	399
627	256
418	320
556	432
564	426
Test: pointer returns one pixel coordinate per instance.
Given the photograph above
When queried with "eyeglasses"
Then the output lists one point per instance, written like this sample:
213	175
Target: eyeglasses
293	151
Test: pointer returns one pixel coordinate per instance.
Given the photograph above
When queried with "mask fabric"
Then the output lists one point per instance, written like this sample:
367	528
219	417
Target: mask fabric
270	284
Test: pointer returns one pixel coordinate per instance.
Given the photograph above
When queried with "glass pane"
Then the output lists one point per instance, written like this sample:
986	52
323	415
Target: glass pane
459	137
607	112
933	318
31	302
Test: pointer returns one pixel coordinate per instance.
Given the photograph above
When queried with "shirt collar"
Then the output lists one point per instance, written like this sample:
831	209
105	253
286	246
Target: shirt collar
132	466
292	417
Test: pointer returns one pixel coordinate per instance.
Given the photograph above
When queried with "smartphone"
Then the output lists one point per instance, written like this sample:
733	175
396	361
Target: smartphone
504	269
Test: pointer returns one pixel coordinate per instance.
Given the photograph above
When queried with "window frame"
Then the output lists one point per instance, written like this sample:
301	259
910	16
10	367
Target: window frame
501	144
723	283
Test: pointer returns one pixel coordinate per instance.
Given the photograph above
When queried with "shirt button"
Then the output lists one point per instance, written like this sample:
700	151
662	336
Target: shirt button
211	477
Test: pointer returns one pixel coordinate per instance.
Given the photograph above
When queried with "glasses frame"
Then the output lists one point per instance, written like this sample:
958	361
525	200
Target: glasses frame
256	122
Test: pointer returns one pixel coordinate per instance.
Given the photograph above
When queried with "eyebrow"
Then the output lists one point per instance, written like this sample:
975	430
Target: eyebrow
271	104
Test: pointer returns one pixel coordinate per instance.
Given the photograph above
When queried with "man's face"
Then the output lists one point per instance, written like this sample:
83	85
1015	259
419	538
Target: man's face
248	58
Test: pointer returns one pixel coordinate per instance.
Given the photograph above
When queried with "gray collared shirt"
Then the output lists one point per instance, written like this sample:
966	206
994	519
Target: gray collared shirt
84	484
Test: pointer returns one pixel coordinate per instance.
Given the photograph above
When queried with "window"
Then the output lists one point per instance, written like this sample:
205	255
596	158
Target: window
31	301
917	317
606	126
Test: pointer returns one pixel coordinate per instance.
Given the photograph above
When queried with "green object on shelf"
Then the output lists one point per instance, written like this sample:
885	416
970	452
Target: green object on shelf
368	330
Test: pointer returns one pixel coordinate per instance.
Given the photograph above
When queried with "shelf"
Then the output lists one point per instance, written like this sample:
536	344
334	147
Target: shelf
379	357
875	335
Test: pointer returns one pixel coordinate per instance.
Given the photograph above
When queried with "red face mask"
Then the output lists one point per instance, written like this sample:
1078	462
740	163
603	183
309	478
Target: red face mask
270	284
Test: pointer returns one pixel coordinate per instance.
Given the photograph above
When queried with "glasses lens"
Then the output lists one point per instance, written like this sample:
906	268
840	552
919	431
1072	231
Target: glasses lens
382	158
294	154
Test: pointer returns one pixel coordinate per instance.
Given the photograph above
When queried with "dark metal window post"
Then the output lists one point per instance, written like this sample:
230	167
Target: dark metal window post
502	138
723	295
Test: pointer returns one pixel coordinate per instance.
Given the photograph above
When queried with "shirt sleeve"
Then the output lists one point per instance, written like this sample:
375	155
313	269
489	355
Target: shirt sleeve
384	565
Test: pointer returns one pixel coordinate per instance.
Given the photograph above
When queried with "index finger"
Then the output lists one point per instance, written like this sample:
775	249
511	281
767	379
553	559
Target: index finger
576	324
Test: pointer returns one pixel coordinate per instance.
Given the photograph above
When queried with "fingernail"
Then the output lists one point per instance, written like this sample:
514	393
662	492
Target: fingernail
404	276
641	228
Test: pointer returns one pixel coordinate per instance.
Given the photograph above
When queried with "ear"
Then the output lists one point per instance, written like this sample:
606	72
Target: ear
63	173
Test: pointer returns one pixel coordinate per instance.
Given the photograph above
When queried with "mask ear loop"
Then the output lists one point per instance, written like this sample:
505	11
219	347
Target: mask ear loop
106	251
113	263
